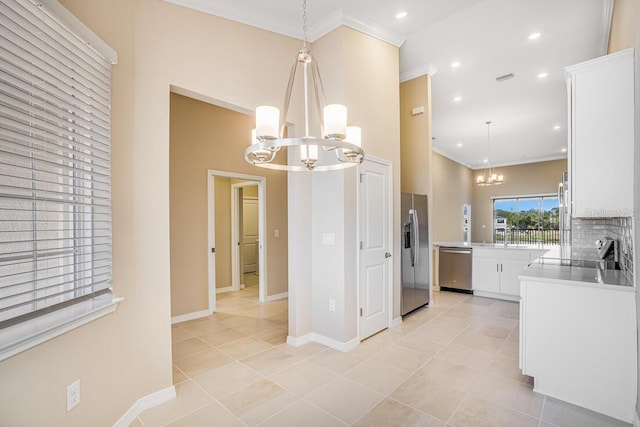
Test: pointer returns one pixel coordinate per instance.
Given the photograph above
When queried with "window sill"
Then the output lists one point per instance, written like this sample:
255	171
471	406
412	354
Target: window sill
18	338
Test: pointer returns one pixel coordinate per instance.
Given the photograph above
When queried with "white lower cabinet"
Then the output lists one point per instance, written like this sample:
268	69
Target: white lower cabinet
495	271
579	344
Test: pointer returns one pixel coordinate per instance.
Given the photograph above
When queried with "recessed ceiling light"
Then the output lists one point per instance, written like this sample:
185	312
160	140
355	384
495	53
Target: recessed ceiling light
564	150
556	127
534	36
542	75
457	99
459	144
401	15
455	64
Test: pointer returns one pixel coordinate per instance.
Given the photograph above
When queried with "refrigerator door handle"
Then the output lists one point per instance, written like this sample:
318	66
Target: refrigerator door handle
416	236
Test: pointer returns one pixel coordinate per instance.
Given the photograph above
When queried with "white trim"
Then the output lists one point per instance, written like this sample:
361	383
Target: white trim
450	157
524	162
68	19
396	322
415	72
498	165
276	297
190	316
144	403
328	24
523	196
496	295
209	100
211	241
338	18
321	339
25	335
300	341
224	289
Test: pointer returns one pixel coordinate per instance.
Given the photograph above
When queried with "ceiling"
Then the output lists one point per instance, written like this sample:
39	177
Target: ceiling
489	38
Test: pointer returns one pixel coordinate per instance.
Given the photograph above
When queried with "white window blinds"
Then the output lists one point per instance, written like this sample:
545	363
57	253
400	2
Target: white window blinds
55	173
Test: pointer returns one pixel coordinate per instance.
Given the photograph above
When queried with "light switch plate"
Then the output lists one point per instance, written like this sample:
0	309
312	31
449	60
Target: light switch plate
328	239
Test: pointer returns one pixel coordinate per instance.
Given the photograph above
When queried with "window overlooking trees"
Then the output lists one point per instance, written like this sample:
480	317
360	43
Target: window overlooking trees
526	220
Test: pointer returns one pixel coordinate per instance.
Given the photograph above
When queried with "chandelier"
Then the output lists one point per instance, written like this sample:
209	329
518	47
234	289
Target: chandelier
488	177
269	135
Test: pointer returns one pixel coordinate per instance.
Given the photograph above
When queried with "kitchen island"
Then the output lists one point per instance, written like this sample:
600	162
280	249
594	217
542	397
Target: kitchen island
578	337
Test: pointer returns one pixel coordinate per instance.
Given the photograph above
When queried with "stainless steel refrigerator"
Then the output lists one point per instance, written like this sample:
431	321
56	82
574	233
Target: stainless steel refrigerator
416	273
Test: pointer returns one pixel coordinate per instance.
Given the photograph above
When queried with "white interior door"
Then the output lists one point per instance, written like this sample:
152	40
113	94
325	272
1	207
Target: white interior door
250	238
375	253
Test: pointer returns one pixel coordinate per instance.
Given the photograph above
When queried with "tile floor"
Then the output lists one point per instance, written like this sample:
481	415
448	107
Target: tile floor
452	364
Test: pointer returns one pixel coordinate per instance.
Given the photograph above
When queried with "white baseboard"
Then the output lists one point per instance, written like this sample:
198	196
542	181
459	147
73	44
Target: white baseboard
321	339
396	322
144	403
190	316
277	296
299	341
496	295
224	289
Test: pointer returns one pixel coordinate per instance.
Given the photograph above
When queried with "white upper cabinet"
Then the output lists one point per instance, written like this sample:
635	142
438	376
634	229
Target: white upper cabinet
601	109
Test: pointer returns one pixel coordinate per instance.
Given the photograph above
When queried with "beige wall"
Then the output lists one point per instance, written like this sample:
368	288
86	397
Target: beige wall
222	191
623	25
519	180
415	136
206	137
127	355
452	187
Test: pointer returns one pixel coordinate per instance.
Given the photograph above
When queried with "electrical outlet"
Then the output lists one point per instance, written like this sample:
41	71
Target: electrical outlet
332	305
73	395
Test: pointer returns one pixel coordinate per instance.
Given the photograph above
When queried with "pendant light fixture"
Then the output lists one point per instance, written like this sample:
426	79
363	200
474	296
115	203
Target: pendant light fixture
488	177
269	135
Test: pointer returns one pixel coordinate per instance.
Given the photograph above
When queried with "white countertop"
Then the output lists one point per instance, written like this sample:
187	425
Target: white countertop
581	276
490	246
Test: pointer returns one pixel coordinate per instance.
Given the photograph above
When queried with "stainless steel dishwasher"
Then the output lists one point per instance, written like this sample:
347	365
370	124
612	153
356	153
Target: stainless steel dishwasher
455	266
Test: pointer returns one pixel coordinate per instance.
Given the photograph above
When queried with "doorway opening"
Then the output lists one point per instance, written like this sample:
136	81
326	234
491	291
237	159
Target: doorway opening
245	259
236	221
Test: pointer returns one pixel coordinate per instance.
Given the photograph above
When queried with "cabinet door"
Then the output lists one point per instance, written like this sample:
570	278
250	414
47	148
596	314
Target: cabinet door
486	274
602	137
510	269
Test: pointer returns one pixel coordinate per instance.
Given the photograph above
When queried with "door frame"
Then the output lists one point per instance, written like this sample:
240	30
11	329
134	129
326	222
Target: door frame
390	216
235	232
262	247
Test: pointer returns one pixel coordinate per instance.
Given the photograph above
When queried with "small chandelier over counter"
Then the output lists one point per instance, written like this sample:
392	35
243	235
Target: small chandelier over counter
269	135
488	177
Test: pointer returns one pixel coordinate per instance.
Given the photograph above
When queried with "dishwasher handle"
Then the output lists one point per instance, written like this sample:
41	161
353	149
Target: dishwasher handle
456	251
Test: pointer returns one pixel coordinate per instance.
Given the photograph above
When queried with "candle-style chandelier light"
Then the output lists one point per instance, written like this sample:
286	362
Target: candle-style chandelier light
269	136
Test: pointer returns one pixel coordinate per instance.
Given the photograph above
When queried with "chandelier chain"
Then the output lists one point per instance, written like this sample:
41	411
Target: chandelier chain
304	22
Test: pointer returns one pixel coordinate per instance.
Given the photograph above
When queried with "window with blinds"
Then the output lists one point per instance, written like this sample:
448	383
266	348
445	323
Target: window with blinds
55	174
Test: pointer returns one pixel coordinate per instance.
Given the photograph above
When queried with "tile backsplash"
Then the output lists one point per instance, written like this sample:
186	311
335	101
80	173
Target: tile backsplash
585	232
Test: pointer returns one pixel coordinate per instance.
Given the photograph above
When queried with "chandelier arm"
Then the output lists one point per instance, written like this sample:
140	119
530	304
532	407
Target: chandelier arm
318	90
287	97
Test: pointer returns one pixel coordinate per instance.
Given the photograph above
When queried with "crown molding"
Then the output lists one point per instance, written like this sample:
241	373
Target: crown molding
497	165
522	162
339	18
418	71
450	157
